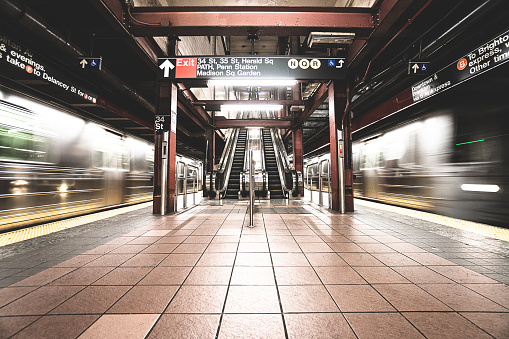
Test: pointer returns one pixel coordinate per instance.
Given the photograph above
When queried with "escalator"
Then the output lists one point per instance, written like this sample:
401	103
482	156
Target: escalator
275	189
237	166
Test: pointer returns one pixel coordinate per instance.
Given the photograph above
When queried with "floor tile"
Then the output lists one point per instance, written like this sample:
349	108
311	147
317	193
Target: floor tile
124	276
360	259
92	300
289	259
11	325
443	324
395	259
78	260
253	259
216	259
142	259
408	297
198	299
296	275
422	274
255	275
128	248
306	299
496	324
160	248
325	259
169	275
253	247
462	275
40	301
460	298
209	275
498	293
252	299
44	277
254	326
10	294
144	299
317	325
284	247
181	259
359	298
190	248
381	275
382	326
57	326
185	326
83	276
127	326
110	260
339	275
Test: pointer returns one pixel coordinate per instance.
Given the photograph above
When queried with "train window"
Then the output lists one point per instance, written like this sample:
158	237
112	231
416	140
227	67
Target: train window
477	139
16	144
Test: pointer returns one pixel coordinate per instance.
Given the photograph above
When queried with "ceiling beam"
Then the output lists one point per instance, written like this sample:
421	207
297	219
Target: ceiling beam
229	21
263	123
113	12
214	105
316	100
388	12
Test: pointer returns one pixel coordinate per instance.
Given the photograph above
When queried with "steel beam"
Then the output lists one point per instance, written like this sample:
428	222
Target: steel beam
163	21
388	12
385	109
316	100
212	103
262	123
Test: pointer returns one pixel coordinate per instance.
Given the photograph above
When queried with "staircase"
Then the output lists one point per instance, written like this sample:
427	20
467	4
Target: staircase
237	166
276	191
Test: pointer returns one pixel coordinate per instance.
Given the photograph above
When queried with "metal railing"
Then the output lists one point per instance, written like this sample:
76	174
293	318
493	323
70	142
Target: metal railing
225	166
284	166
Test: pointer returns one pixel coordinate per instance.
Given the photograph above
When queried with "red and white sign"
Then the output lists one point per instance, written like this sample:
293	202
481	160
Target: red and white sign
186	68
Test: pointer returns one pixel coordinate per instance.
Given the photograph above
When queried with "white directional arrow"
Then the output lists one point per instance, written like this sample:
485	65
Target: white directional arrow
340	63
415	67
83	63
166	66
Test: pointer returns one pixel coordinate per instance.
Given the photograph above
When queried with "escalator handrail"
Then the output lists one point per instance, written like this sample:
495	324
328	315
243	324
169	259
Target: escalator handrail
246	152
230	152
283	164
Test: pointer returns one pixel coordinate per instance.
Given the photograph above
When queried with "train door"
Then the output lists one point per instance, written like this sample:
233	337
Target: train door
324	183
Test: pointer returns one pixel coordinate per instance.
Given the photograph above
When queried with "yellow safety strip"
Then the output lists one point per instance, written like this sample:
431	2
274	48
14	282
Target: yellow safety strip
37	231
464	225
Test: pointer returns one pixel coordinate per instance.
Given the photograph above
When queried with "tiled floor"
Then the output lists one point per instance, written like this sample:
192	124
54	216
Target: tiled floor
310	274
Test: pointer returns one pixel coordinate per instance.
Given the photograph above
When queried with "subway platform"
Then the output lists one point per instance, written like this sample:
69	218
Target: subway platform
301	272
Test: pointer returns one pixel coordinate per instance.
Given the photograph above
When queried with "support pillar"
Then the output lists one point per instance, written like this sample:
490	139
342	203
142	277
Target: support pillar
211	149
165	151
298	153
347	136
337	104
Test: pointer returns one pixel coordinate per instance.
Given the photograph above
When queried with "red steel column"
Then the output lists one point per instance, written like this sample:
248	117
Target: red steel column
298	153
167	105
337	103
347	136
211	151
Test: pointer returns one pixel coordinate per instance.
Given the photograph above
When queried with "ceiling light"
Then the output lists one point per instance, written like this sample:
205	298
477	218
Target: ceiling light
331	39
265	82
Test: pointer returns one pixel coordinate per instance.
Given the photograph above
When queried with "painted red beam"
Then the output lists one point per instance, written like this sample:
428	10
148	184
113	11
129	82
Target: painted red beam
385	109
262	123
161	21
316	100
388	12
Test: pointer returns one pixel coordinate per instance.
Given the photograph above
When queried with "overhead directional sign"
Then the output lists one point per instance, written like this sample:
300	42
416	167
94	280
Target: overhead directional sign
13	54
91	63
251	67
418	67
491	54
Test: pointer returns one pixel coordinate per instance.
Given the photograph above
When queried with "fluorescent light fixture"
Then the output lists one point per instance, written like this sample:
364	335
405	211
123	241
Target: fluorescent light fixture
252	107
330	38
480	188
252	82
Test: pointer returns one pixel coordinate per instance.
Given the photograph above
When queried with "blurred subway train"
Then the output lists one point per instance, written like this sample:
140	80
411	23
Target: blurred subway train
54	164
452	160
